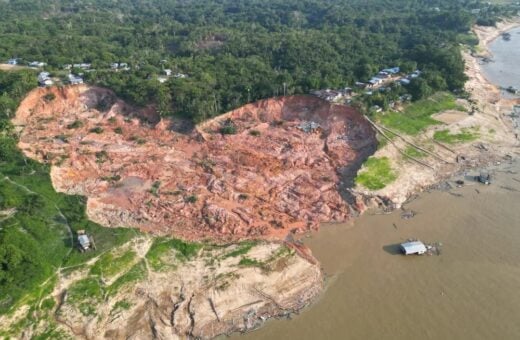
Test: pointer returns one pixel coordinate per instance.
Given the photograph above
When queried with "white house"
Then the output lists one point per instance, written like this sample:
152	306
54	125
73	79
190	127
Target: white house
37	64
74	80
44	79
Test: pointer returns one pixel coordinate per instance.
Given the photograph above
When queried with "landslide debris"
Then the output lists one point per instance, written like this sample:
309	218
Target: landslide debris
251	173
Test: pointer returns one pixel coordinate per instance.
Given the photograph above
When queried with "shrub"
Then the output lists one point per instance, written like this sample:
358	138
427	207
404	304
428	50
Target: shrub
97	130
191	199
75	125
228	128
49	97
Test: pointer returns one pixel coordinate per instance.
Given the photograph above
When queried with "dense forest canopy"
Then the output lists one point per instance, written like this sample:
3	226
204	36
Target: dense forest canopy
236	51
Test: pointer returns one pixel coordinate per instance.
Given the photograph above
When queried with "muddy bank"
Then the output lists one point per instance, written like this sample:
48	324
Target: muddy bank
259	172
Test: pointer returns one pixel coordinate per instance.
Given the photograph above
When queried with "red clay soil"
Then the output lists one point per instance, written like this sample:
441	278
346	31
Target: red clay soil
267	180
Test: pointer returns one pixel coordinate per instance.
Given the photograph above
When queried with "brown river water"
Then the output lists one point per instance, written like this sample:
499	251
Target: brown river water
470	291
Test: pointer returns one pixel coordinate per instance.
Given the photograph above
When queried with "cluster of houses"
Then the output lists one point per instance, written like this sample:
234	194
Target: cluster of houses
389	75
44	79
81	66
384	77
32	64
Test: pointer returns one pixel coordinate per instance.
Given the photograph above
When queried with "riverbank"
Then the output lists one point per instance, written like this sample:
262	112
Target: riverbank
482	130
487	34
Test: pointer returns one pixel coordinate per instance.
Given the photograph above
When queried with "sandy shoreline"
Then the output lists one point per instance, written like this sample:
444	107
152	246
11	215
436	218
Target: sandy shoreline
487	34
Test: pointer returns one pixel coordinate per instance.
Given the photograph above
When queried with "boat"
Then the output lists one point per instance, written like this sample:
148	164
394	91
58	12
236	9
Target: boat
413	247
484	177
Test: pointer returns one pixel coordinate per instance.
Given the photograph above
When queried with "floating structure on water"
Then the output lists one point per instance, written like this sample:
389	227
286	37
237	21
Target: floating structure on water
413	247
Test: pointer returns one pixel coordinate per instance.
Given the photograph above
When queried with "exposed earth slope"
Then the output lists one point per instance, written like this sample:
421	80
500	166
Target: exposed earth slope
261	171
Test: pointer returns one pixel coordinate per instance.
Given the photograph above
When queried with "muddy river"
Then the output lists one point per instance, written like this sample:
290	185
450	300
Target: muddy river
470	291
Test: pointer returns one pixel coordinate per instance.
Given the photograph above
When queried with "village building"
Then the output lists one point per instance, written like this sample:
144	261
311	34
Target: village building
44	79
383	75
393	70
75	80
374	82
162	79
13	61
83	66
37	64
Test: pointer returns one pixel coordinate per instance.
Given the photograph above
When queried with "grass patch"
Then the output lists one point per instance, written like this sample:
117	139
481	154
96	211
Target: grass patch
414	152
108	265
376	173
163	247
136	273
84	294
243	248
123	305
446	137
417	116
247	262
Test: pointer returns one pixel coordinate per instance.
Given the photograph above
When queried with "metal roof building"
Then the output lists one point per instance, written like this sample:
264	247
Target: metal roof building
414	247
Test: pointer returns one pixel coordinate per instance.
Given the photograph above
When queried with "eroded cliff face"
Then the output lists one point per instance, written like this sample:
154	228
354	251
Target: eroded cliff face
279	173
167	296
